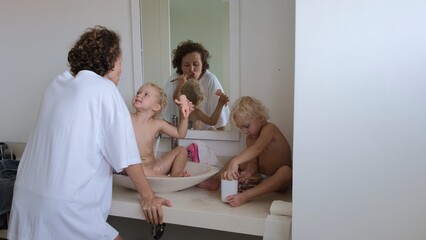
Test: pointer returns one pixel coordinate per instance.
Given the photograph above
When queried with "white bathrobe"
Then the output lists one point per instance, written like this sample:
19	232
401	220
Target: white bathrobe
63	188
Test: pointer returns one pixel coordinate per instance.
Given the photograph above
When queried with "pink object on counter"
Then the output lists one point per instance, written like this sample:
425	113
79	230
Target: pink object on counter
193	152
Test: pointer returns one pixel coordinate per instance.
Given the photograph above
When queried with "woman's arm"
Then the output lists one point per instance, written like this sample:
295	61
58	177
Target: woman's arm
150	203
212	120
210	85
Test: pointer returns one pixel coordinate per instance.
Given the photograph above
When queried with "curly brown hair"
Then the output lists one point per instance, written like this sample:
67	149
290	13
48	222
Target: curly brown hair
187	47
97	50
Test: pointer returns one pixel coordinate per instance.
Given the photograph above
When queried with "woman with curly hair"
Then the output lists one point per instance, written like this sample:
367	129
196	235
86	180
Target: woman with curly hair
63	188
191	62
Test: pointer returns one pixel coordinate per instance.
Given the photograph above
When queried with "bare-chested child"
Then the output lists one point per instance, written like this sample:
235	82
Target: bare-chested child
268	154
193	90
148	103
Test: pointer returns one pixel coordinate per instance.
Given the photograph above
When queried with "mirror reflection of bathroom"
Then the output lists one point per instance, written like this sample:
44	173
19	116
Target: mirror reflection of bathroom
169	22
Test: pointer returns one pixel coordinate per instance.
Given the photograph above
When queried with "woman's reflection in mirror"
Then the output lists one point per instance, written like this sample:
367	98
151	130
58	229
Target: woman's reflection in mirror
190	59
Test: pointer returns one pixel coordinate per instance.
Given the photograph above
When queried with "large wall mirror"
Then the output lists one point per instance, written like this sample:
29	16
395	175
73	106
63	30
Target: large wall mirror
214	23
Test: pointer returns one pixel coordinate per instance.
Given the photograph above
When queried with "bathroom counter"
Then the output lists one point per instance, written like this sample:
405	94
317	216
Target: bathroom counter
201	208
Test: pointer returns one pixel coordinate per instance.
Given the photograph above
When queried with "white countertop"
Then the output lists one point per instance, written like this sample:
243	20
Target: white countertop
201	208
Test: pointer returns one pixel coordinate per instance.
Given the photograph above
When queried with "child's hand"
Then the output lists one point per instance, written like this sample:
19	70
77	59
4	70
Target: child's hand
186	107
244	176
232	171
223	99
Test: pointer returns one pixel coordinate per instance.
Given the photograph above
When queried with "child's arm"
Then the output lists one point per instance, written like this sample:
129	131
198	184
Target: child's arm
212	120
251	152
252	167
176	132
186	108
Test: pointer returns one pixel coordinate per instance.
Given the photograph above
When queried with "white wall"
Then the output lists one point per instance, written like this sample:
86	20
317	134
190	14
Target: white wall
360	114
156	41
267	57
35	39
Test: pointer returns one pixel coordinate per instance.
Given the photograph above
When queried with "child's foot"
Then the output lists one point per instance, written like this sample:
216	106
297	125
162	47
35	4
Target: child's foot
186	174
237	199
209	184
181	174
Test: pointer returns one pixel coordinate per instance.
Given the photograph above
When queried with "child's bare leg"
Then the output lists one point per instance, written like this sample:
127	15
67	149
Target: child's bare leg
212	183
277	182
178	165
151	172
172	162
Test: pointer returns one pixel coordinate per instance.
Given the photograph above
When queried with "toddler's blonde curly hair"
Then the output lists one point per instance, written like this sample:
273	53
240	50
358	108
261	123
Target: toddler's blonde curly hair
248	108
162	97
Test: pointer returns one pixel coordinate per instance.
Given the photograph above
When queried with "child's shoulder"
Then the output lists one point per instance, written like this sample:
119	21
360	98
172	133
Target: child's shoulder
158	121
271	128
271	125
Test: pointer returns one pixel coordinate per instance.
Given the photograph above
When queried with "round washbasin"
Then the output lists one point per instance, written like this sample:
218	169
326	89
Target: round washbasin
198	172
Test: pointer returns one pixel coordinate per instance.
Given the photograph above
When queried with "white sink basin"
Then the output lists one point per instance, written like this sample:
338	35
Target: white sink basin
198	173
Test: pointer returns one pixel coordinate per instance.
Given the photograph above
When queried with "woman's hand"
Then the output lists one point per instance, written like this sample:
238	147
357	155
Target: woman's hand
181	80
153	209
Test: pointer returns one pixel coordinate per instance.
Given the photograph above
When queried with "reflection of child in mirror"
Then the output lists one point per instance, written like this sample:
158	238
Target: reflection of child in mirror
193	91
184	105
268	154
148	102
191	61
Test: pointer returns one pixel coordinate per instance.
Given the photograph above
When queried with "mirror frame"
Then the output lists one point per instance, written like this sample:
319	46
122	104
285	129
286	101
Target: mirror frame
234	61
234	55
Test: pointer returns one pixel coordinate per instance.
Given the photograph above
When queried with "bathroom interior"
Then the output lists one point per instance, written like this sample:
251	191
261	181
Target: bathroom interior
337	77
153	28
